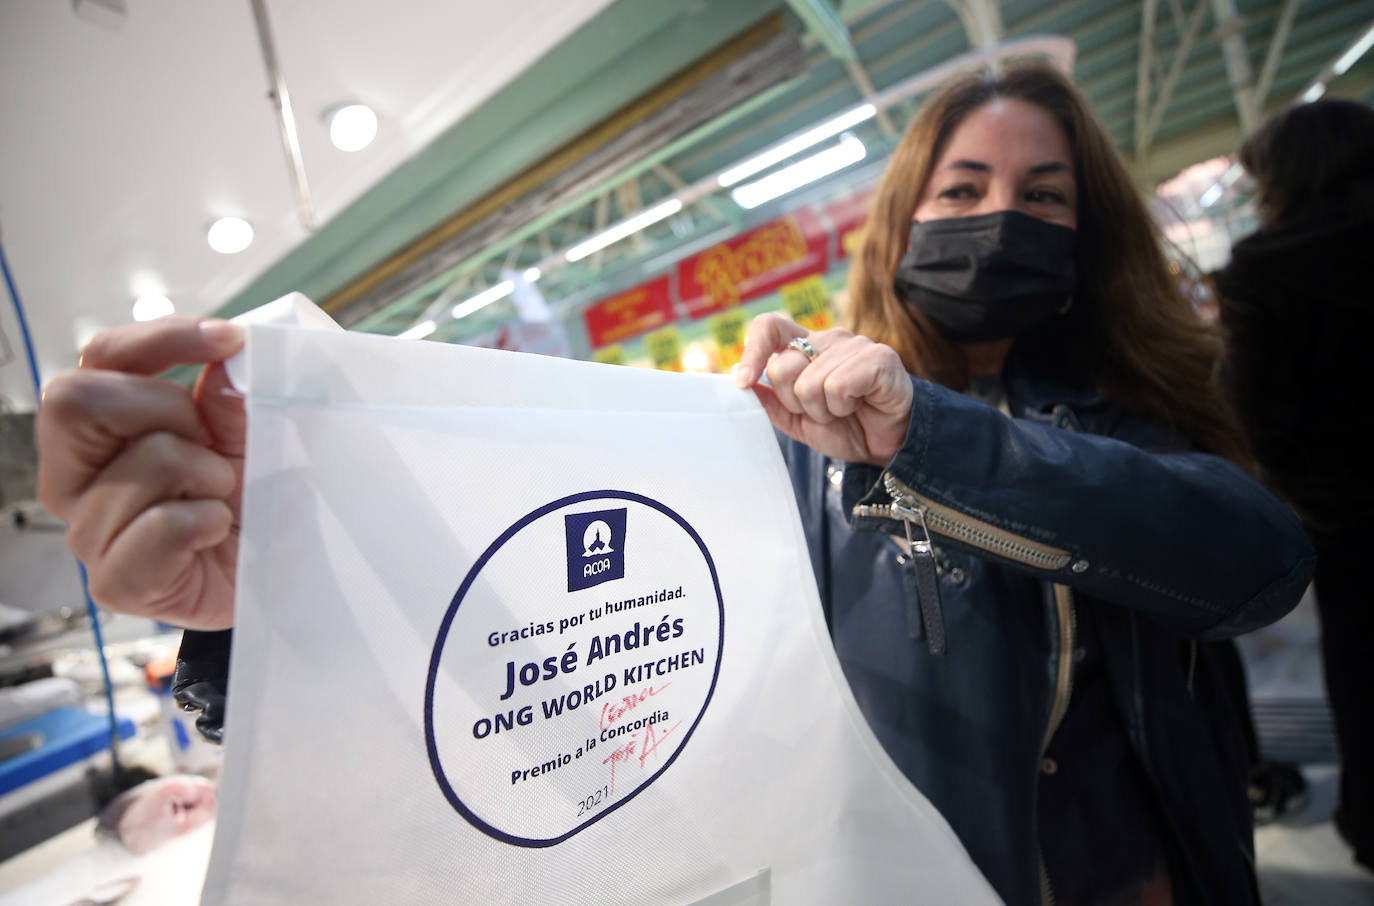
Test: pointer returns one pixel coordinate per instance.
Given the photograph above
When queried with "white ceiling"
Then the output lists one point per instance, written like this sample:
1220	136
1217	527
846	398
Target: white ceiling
119	147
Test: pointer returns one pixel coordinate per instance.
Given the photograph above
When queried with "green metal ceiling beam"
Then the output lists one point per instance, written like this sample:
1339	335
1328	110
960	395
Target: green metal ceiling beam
825	23
554	215
1210	99
631	46
1317	43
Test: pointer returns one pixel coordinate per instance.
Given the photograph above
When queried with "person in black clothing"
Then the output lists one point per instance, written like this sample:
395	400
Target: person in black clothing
1298	302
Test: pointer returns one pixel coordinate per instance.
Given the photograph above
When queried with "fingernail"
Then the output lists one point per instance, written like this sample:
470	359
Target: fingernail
743	377
221	333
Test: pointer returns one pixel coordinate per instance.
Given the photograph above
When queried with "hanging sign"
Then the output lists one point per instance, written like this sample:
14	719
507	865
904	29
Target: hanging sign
753	264
630	313
847	218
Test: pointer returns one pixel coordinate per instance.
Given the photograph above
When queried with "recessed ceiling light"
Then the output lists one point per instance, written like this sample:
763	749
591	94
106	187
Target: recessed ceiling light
151	306
230	235
352	127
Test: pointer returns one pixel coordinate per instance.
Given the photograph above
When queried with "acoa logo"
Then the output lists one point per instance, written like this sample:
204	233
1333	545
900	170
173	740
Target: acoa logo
596	547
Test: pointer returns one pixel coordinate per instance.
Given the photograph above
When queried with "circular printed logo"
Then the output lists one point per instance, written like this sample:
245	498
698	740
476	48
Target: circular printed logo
572	666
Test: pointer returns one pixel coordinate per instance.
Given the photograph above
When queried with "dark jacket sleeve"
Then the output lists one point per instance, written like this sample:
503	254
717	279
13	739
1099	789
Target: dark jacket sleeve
1185	538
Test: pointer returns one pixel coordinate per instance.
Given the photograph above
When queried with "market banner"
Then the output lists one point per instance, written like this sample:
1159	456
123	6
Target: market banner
847	218
630	313
518	629
753	264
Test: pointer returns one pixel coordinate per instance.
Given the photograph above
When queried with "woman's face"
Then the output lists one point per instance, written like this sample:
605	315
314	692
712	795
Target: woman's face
1008	155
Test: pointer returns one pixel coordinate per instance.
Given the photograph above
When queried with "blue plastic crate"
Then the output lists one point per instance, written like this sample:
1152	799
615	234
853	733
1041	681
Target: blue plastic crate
69	735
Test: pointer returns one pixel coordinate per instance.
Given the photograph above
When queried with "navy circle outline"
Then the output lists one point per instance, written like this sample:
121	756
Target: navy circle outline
452	611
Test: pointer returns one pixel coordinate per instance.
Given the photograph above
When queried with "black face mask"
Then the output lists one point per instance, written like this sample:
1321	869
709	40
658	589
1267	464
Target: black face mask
987	277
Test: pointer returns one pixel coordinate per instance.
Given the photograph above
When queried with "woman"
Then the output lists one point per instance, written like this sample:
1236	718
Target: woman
973	660
1296	300
1036	673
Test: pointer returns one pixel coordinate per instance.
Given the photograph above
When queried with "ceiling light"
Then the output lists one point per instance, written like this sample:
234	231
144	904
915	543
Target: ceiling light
151	306
531	274
1356	51
230	235
1316	90
483	299
781	152
352	127
624	228
419	331
849	151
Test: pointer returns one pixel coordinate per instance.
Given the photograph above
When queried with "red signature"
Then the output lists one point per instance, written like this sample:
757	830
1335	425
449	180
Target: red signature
626	752
652	742
613	711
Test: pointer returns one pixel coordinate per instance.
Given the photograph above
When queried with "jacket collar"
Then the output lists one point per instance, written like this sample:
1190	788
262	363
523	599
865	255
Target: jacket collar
1039	397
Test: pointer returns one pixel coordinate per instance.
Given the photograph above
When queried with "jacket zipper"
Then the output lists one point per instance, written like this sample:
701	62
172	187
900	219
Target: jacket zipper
923	613
1063	676
943	520
911	508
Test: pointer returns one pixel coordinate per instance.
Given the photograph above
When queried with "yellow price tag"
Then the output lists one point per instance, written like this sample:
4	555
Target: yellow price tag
610	355
808	302
665	348
729	330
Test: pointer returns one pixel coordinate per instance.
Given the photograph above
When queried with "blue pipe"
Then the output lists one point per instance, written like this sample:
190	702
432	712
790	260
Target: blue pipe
81	568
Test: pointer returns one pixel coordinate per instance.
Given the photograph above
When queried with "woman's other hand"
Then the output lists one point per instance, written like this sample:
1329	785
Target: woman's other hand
147	475
852	401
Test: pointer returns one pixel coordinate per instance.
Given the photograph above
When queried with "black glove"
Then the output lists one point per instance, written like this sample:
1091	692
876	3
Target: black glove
201	681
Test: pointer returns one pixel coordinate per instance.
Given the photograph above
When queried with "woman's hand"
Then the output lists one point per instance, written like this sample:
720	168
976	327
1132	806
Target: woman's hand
852	402
147	475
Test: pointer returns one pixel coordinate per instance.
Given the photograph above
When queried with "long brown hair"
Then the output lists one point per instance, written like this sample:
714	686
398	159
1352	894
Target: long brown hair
1130	333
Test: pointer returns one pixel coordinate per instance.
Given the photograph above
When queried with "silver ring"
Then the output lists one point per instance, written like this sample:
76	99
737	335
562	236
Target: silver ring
801	345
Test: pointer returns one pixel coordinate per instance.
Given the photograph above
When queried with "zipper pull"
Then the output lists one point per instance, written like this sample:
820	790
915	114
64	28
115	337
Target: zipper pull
927	591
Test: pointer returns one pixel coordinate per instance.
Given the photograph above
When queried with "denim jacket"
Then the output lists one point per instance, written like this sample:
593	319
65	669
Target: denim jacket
1071	504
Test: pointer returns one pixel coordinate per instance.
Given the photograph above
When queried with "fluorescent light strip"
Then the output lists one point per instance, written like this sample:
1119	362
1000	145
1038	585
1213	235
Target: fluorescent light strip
1314	91
483	299
849	151
624	228
785	150
419	331
1356	51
